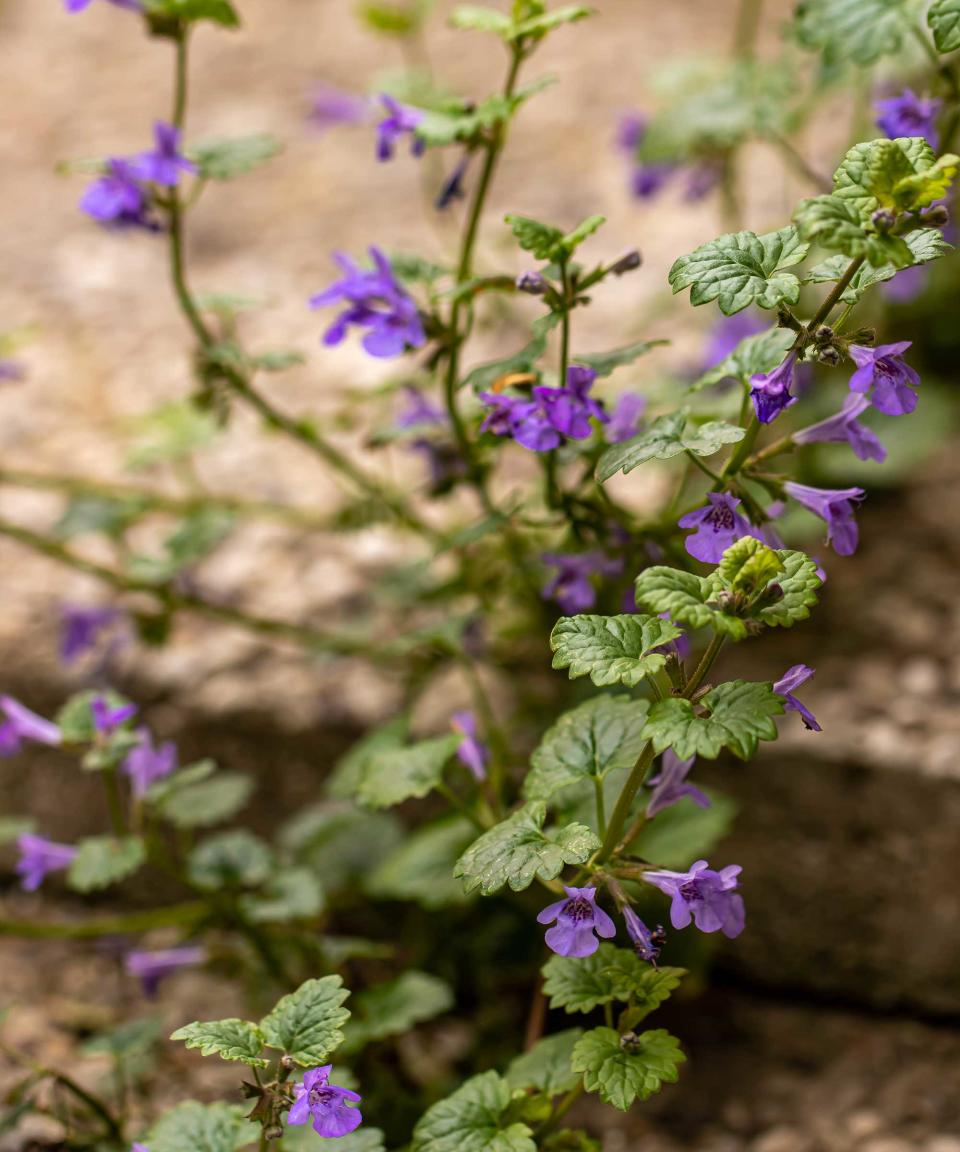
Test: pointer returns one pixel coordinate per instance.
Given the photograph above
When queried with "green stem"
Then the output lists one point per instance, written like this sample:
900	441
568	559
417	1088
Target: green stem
601	813
695	459
743	450
175	915
706	663
455	802
566	1103
114	803
621	811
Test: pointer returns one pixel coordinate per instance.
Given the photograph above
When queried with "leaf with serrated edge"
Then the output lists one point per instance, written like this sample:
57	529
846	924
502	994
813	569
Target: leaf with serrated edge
472	1120
622	1074
400	774
755	354
739	714
944	20
306	1024
104	860
800	582
611	649
199	1127
230	1039
685	597
859	30
517	850
580	984
546	1066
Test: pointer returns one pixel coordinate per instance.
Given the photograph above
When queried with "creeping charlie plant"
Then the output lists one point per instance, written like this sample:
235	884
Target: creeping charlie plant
640	607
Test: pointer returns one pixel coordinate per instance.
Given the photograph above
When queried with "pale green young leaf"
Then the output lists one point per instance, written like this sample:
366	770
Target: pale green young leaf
944	20
868	175
104	860
748	566
580	984
473	1119
231	1039
598	736
302	1138
307	1024
572	240
75	718
741	268
517	850
925	244
687	598
396	1007
200	1128
735	715
546	1067
541	240
800	582
537	26
622	1072
611	649
475	18
837	224
860	31
421	867
349	769
400	774
290	894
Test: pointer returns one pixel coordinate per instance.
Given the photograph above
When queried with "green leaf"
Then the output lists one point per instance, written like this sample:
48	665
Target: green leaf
193	540
685	832
740	269
572	240
219	12
349	769
473	1119
837	224
604	363
302	1138
748	566
87	513
667	436
611	649
482	378
925	244
203	803
474	18
421	867
13	826
307	1024
546	1066
517	850
861	31
587	742
396	1007
103	860
75	719
737	716
172	432
200	1128
944	20
542	240
225	159
402	19
611	973
800	582
290	894
755	354
230	859
471	124
538	26
399	774
230	1039
684	596
622	1070
903	174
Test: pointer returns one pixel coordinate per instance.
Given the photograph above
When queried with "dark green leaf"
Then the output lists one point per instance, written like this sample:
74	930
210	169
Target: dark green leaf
219	12
231	1039
735	715
307	1024
473	1119
546	1066
611	649
203	803
400	774
622	1072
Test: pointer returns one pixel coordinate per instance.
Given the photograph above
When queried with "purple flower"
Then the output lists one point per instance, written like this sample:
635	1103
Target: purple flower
727	334
400	121
894	382
571	587
81	628
532	283
630	132
377	302
523	419
702	177
79	5
147	763
577	918
453	186
11	370
909	115
845	428
38	856
907	285
718	525
704	896
836	506
570	408
21	724
118	199
332	106
770	391
648	180
151	967
165	163
419	411
669	785
626	417
106	718
647	943
471	752
791	679
325	1103
136	1146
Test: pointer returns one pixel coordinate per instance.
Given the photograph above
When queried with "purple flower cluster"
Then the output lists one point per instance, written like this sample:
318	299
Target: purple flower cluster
704	896
577	919
376	302
542	421
328	1106
909	115
571	587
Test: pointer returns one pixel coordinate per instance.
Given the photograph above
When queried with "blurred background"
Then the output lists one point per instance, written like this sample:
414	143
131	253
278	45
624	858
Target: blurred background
831	1024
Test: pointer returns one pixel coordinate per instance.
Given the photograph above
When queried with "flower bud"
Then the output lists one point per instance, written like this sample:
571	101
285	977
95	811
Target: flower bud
629	1041
628	262
936	216
824	334
532	283
884	220
829	355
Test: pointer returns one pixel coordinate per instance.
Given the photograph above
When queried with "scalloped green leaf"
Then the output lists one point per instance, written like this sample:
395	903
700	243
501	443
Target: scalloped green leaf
685	597
800	582
394	1008
201	1128
621	1072
220	12
838	225
925	244
742	268
307	1024
399	774
735	715
230	1039
581	984
611	649
859	31
473	1119
761	352
517	850
546	1067
748	566
899	174
668	436
587	742
604	363
944	20
105	860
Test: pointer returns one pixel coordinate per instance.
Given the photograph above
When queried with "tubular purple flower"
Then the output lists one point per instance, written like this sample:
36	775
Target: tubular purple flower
38	856
400	121
647	943
894	382
522	419
569	409
836	506
791	679
82	627
117	199
670	784
845	428
718	525
147	763
151	967
571	587
377	302
332	106
327	1105
106	718
703	896
909	115
770	391
577	919
79	5
20	724
702	178
165	163
626	418
471	752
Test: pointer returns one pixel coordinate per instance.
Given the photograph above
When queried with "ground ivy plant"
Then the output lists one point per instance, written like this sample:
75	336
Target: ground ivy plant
586	828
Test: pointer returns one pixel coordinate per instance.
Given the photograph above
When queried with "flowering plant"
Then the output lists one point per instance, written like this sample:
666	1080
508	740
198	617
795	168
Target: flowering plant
640	605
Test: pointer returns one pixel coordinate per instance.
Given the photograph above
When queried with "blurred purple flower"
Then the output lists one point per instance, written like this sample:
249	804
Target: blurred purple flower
907	285
38	856
521	418
727	333
626	418
164	163
571	587
79	5
718	525
117	199
569	409
11	370
472	752
893	381
151	967
419	411
82	627
400	121
704	896
702	177
106	717
909	115
770	391
327	1105
332	106
577	919
147	763
836	506
20	724
845	428
791	679
670	784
